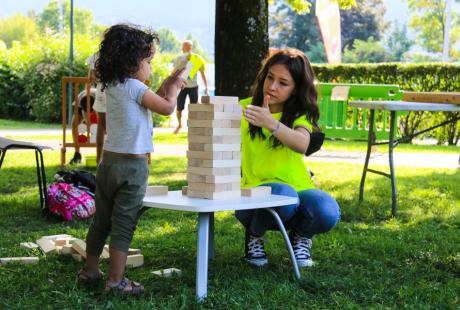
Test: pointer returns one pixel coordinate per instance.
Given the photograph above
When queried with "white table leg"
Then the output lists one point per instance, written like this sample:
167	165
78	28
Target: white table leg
212	248
202	256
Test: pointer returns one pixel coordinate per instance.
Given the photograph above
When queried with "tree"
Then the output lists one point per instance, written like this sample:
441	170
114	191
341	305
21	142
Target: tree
361	22
168	41
17	28
83	18
241	41
428	21
366	51
397	42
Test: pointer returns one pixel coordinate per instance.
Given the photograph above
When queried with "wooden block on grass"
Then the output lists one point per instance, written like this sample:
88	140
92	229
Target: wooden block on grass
77	257
54	237
156	190
66	249
219	100
46	245
134	251
135	260
167	272
28	245
259	191
33	260
61	241
80	247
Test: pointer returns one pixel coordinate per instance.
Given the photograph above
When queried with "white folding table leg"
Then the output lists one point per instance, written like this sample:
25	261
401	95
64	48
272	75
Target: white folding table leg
212	248
202	256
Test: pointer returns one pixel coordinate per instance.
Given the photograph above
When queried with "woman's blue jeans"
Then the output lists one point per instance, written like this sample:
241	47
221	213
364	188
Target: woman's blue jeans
317	212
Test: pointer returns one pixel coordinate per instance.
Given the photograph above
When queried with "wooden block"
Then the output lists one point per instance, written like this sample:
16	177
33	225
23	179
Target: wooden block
236	155
206	107
222	147
259	191
59	249
210	123
219	100
77	257
33	260
134	251
237	108
432	97
184	190
28	245
214	195
214	171
223	178
61	242
80	247
167	272
105	253
209	155
192	138
135	260
209	163
227	115
54	237
214	131
235	124
214	187
192	177
66	249
156	190
46	245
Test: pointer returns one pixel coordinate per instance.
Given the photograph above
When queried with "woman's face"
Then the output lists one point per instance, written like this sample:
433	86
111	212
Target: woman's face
145	68
279	85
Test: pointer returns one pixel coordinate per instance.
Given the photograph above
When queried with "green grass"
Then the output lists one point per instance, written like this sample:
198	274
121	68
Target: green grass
369	260
12	124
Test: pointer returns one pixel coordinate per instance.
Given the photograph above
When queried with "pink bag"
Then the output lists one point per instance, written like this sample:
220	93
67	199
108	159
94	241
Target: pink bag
69	201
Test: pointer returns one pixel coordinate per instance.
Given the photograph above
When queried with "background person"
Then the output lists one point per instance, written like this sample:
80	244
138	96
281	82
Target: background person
191	89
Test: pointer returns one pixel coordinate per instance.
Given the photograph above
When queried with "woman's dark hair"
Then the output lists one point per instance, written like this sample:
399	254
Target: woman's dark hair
303	98
122	49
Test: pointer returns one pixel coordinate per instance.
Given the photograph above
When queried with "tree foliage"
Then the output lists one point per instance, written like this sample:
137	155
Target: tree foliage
397	42
288	28
17	28
83	19
428	20
168	40
368	51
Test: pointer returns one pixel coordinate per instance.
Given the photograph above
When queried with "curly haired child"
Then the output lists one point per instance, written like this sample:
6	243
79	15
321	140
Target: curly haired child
123	64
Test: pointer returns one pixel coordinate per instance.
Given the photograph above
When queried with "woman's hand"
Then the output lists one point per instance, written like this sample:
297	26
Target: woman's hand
260	116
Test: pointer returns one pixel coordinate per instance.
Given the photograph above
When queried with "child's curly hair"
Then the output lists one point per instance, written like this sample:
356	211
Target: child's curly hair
122	50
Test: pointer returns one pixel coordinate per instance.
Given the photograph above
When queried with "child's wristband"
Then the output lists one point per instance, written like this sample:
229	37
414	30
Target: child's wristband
278	125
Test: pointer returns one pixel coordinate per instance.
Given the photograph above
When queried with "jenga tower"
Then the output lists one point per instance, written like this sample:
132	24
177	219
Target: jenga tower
214	153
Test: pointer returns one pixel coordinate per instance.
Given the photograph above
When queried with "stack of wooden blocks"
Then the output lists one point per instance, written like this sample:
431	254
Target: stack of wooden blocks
214	154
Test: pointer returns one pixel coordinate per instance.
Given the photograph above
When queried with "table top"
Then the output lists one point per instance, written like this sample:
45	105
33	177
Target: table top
176	201
405	106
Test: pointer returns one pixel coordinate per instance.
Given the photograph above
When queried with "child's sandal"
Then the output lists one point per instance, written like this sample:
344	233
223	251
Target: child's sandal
125	287
86	276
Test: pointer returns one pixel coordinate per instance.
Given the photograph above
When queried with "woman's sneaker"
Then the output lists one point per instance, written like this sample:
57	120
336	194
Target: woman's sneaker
301	246
254	250
76	159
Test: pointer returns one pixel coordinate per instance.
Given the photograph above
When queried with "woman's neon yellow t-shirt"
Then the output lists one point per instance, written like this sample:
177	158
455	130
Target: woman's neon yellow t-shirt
261	163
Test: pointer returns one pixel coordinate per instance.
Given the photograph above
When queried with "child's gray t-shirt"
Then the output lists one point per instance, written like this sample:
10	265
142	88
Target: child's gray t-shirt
129	124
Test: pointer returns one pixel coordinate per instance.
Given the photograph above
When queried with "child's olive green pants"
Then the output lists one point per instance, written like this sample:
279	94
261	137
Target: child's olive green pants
121	182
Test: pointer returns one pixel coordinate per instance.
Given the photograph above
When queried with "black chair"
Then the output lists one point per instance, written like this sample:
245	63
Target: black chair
8	144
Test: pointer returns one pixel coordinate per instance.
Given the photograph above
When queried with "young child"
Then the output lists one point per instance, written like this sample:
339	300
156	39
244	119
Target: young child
123	64
275	131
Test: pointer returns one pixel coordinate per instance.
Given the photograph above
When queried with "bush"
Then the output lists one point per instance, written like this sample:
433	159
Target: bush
426	77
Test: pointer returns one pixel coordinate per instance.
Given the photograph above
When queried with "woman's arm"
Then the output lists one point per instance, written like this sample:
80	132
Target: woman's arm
296	139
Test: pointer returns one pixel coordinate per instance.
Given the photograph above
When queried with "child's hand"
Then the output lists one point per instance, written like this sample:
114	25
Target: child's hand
171	85
260	116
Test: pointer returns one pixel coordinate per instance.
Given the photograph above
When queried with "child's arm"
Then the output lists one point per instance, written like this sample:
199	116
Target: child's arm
164	100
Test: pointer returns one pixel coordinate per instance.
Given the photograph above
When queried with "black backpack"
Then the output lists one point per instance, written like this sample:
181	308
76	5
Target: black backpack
82	179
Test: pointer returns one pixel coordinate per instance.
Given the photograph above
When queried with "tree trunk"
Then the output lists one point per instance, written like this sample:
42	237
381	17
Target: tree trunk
241	43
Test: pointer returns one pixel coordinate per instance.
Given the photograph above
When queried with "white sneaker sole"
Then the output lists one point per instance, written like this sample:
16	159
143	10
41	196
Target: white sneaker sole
305	263
258	262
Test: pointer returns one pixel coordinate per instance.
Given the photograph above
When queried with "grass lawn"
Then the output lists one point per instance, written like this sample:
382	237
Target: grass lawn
12	124
369	260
